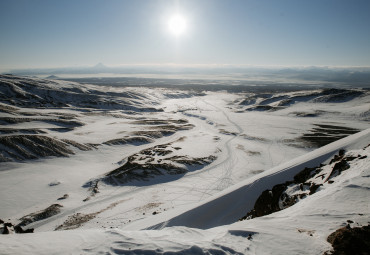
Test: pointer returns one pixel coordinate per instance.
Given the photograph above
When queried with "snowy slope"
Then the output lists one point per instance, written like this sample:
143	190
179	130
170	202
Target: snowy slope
302	228
108	162
232	203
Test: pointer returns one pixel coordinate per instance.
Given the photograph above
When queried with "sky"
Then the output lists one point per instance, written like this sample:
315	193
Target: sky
75	33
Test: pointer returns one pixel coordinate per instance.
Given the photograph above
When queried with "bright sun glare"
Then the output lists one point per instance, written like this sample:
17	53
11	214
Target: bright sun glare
177	25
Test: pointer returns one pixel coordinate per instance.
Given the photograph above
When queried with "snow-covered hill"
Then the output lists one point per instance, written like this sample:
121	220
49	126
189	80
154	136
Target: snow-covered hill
133	170
302	228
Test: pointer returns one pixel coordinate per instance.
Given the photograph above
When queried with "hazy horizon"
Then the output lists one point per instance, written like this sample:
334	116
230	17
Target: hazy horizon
186	66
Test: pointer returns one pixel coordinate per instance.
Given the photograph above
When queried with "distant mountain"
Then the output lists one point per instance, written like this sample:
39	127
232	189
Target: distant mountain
99	65
52	77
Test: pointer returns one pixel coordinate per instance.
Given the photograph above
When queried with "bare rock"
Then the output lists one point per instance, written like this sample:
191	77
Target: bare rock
349	240
40	215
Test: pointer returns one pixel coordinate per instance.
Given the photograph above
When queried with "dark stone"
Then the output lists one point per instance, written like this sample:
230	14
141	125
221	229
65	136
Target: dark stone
6	230
341	166
301	196
7	227
290	200
341	152
65	196
20	230
305	174
350	240
347	159
314	188
267	202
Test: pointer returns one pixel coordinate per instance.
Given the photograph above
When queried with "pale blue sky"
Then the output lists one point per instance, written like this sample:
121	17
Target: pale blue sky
54	33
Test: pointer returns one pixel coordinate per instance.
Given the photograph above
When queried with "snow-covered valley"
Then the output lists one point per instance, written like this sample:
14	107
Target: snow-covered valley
137	170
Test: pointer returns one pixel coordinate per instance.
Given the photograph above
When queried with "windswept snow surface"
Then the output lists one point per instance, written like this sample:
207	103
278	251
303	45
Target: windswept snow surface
196	210
300	229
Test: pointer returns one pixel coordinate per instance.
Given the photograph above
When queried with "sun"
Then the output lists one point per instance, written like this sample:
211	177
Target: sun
177	25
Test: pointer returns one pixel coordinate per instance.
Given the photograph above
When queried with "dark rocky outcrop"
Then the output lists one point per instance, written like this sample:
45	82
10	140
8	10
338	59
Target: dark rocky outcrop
349	240
52	210
306	182
132	170
268	201
151	162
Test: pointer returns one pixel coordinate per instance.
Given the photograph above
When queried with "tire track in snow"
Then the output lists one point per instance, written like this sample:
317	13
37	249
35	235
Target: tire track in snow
217	182
226	179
